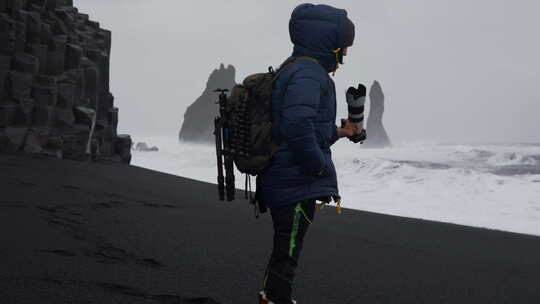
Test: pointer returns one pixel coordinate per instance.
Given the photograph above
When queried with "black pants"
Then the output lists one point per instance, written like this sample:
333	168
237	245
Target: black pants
290	226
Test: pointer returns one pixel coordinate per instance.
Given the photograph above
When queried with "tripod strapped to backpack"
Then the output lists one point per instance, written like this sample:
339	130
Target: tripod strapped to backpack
233	132
223	149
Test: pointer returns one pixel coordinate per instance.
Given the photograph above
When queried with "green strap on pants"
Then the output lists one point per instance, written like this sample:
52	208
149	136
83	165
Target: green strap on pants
298	212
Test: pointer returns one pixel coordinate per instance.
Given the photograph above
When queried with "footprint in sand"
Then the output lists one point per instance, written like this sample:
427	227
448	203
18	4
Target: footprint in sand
47	209
53	209
150	263
107	205
60	252
146	204
27	184
108	254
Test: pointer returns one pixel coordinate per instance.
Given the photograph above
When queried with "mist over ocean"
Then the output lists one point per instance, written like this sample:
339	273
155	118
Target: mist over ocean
494	186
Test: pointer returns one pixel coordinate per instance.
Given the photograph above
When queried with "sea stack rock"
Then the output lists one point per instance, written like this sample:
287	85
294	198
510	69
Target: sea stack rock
143	147
376	134
198	126
54	83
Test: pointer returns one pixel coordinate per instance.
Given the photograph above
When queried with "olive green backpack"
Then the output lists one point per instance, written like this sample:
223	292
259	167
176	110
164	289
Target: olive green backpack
250	118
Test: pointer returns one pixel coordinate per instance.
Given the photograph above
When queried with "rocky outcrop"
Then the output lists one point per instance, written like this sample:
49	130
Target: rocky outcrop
376	134
54	83
198	123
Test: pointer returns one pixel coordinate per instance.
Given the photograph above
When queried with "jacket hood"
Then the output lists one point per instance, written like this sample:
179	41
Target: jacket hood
317	30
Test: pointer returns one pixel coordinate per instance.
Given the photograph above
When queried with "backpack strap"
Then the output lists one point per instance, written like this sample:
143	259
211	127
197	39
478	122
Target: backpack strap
290	62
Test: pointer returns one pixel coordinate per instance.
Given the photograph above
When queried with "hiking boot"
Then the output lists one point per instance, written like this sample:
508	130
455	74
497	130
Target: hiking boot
264	300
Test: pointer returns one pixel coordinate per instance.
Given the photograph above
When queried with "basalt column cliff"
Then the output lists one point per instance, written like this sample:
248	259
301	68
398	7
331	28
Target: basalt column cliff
54	83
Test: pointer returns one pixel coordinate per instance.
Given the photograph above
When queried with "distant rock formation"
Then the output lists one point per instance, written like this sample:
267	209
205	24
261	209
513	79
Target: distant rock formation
198	126
143	147
376	134
54	83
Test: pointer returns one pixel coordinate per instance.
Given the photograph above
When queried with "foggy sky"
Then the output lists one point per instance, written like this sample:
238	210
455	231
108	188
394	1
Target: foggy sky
451	70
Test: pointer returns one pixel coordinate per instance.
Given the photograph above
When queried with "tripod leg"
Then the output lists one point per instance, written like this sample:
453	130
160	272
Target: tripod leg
229	179
219	154
229	166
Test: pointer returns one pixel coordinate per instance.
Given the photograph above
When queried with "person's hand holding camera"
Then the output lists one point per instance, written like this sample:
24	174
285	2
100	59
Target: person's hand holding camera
347	129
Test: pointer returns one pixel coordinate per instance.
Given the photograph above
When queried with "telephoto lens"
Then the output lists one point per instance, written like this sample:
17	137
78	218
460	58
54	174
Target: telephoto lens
356	99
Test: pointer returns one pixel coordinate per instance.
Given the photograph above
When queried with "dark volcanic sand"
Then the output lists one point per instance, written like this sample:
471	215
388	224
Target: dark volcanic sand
107	233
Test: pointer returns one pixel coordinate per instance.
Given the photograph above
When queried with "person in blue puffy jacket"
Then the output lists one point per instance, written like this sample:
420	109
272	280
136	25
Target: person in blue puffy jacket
304	125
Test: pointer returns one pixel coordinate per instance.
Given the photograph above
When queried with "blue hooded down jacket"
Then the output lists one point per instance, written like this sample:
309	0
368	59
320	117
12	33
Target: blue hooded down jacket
304	110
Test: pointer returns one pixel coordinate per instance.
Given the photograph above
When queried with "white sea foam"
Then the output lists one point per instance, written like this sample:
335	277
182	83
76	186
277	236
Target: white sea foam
491	186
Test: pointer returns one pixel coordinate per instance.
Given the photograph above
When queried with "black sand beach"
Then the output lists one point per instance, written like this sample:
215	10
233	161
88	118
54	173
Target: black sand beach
76	232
